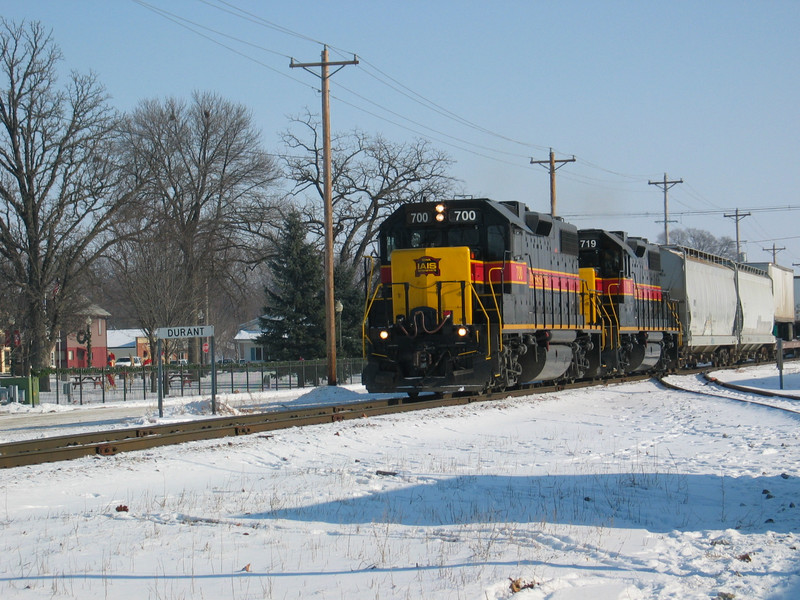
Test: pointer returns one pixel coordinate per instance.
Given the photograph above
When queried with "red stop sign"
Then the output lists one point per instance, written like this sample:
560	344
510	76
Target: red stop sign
205	347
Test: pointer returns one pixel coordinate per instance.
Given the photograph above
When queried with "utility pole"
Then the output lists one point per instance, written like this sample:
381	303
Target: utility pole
665	185
551	162
330	314
738	217
774	251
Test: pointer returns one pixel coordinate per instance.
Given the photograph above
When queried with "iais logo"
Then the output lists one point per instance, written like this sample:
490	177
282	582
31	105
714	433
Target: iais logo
427	265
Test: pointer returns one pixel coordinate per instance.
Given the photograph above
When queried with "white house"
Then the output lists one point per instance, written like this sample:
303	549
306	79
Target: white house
246	347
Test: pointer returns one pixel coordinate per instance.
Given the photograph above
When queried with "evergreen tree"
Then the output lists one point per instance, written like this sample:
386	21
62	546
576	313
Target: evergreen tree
293	325
351	295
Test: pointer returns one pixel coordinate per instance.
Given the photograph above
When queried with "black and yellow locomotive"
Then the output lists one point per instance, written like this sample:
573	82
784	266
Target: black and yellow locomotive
477	295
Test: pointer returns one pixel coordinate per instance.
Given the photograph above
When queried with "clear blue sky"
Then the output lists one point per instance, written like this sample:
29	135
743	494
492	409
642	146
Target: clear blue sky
706	91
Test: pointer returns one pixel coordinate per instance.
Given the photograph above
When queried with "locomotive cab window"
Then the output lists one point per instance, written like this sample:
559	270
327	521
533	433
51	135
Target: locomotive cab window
426	238
496	242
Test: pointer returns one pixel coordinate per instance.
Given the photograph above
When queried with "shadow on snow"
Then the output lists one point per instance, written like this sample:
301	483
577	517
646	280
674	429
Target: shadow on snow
657	502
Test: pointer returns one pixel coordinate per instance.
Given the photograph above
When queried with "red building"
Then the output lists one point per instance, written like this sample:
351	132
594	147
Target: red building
72	349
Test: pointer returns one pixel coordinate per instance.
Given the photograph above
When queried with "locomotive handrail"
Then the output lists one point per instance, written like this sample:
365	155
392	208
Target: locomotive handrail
672	306
488	323
597	317
614	317
496	306
439	285
370	302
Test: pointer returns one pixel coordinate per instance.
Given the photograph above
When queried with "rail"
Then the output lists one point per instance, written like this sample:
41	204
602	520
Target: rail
109	443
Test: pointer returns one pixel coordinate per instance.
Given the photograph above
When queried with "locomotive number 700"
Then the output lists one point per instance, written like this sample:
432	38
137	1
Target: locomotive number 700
464	216
419	217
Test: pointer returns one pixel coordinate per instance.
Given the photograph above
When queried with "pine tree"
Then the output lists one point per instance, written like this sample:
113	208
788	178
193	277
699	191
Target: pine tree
348	329
293	325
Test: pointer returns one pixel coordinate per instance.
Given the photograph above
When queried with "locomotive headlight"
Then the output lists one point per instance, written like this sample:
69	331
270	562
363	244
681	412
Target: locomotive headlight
439	213
384	334
462	331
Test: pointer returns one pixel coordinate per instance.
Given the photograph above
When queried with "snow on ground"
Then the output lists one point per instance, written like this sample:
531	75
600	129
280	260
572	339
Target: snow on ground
627	491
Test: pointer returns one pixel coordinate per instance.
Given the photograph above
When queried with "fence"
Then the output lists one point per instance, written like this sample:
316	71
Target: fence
79	386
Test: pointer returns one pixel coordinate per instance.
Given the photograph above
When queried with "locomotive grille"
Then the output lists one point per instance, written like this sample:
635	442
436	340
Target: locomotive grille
569	243
654	258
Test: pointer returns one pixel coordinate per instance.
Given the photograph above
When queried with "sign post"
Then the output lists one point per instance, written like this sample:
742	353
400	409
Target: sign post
171	333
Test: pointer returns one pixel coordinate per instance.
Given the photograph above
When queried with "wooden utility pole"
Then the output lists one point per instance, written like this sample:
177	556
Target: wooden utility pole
330	314
774	251
738	216
551	162
666	183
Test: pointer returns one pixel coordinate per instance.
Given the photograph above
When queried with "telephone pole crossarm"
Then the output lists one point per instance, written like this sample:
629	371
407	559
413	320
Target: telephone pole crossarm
333	63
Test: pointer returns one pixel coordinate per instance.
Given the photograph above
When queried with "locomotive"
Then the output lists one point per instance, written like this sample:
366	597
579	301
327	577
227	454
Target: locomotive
477	295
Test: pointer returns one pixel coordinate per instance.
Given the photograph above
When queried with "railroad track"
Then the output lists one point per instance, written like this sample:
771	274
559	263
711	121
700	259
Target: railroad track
782	401
111	442
115	441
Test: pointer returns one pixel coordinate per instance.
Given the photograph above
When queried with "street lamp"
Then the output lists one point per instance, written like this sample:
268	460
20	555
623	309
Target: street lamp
339	307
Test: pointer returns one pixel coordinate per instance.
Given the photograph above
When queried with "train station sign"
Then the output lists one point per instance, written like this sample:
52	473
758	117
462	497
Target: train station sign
171	333
188	331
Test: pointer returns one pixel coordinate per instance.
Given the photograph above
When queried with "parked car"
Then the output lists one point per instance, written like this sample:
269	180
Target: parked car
129	361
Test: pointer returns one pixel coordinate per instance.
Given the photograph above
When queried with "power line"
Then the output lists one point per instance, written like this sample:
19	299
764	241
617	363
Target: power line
231	9
684	213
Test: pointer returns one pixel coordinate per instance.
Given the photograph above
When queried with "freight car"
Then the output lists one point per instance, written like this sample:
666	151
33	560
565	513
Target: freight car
797	305
480	295
783	296
726	309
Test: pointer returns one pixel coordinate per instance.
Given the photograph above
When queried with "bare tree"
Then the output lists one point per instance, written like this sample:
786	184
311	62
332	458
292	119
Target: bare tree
58	184
370	177
207	191
703	240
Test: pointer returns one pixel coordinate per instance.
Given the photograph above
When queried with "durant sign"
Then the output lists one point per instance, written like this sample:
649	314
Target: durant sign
171	333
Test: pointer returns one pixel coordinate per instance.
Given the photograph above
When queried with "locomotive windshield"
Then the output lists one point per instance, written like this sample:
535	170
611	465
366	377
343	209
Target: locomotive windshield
602	252
486	243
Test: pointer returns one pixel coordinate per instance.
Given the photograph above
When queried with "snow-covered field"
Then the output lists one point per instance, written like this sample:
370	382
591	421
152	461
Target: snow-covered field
627	491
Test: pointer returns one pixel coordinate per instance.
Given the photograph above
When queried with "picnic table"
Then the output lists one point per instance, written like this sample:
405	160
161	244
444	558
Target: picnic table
184	378
79	380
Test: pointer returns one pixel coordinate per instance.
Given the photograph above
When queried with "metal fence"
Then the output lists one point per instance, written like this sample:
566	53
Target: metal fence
82	386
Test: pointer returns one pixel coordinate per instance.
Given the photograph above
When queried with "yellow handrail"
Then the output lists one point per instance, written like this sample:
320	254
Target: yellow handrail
370	302
614	316
496	307
488	322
